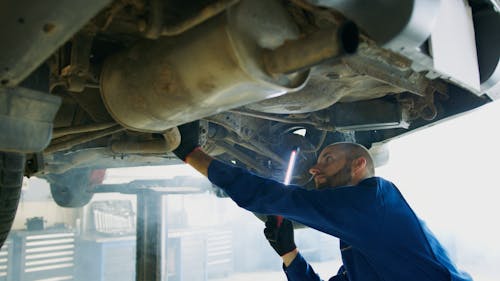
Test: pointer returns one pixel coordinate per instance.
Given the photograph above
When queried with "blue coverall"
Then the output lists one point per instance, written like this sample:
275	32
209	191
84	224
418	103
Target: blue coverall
381	238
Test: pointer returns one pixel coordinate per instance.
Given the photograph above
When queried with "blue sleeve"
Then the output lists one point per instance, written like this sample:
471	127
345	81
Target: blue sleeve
337	211
341	275
300	270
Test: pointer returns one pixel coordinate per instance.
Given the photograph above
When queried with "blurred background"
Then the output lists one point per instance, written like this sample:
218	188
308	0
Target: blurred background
448	174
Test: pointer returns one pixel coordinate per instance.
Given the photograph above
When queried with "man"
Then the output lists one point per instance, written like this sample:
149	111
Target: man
380	236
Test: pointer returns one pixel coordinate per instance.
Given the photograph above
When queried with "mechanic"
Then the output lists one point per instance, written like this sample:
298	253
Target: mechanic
381	238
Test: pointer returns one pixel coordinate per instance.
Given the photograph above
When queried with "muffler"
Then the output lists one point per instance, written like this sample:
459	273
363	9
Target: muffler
217	66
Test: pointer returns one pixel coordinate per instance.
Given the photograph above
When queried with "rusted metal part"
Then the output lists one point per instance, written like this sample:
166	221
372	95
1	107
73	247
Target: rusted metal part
176	185
59	132
76	74
98	156
147	147
244	158
315	48
91	102
245	133
204	14
155	19
155	25
311	8
410	81
244	127
311	119
173	137
121	17
72	160
387	67
110	15
171	140
271	117
327	85
259	148
74	141
368	48
32	31
157	85
371	73
423	107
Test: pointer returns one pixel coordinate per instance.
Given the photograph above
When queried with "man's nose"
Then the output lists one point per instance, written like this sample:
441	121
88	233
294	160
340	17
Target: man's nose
314	170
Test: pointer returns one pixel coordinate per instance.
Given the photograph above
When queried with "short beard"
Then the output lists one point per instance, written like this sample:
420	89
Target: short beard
341	178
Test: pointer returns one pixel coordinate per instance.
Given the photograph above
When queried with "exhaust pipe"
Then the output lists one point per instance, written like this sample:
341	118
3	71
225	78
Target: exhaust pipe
318	47
170	141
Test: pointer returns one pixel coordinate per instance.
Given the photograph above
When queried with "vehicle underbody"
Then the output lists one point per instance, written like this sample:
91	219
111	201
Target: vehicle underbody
263	77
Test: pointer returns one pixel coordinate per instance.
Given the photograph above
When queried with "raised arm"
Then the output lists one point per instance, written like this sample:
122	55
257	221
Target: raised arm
333	211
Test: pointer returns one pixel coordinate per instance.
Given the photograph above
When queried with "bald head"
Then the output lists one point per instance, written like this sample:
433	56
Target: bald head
353	151
342	164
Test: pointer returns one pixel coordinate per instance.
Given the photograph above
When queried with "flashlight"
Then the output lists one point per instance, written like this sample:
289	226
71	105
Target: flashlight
291	165
288	177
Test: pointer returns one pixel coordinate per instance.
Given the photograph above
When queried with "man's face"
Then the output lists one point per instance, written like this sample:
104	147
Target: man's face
331	169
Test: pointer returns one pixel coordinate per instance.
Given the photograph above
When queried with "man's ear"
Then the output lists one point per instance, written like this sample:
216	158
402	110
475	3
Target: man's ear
359	164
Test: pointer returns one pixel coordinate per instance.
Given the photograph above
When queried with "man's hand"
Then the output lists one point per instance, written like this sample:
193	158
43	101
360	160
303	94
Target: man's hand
280	235
190	137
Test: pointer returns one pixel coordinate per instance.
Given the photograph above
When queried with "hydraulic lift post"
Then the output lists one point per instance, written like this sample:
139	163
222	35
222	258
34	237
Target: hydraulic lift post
151	229
151	226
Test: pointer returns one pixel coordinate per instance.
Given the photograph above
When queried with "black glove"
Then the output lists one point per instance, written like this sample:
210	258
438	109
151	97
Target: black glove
190	138
280	235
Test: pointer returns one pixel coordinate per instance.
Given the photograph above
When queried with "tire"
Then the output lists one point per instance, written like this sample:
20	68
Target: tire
71	189
11	182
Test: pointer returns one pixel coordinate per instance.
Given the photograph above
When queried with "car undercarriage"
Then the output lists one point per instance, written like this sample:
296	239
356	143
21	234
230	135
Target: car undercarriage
91	85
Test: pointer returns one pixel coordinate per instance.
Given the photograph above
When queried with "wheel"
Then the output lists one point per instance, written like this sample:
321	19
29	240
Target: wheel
71	189
11	181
